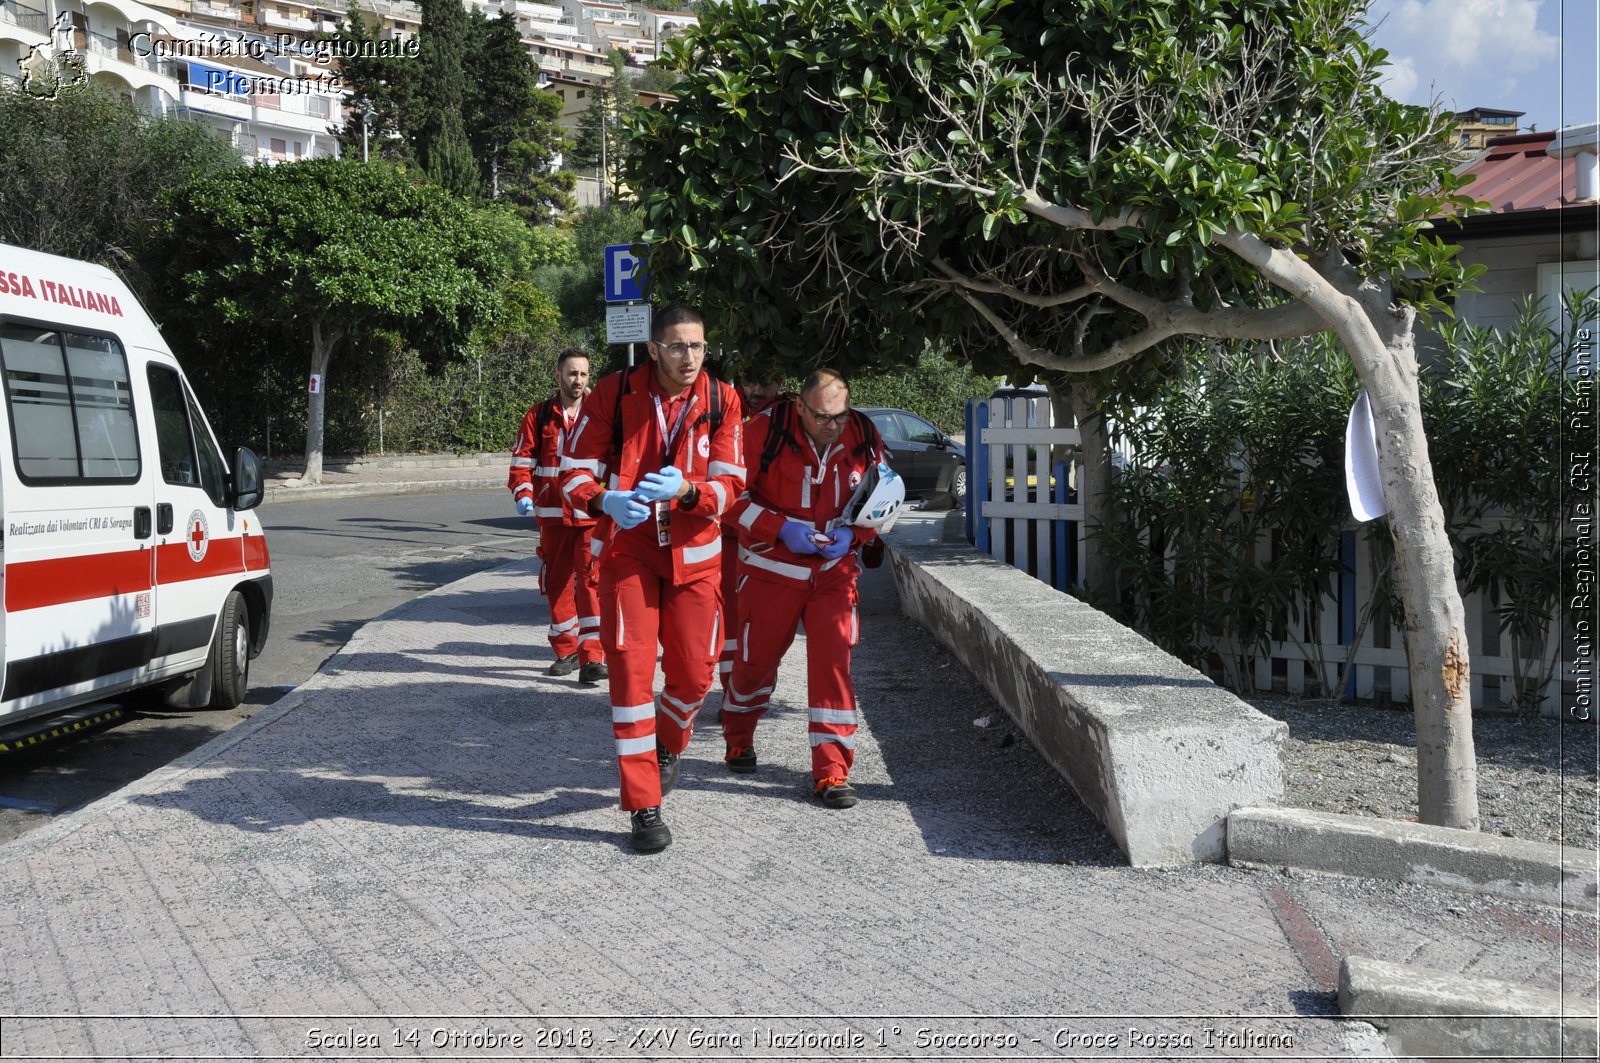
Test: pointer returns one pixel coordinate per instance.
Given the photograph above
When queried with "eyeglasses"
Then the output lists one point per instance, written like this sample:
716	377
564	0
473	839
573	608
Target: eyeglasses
827	418
678	350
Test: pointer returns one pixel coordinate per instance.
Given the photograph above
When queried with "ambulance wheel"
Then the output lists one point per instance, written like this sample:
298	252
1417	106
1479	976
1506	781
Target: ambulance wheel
230	654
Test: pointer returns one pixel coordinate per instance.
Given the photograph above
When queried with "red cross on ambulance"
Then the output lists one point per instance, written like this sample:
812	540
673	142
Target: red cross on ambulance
199	536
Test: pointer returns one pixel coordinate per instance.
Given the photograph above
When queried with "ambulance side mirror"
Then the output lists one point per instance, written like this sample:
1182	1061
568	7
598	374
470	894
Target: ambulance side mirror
245	489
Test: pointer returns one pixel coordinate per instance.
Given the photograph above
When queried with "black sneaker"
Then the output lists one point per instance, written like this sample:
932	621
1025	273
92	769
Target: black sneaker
564	665
835	792
650	833
669	769
741	760
593	672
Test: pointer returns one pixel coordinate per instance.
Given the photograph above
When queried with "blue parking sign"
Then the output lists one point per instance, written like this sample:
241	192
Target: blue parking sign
624	275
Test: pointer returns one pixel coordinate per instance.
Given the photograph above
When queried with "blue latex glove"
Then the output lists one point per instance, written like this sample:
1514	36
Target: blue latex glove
797	537
623	508
525	505
838	543
659	486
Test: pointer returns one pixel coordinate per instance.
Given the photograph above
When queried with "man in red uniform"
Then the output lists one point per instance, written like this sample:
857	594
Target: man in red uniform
567	576
761	387
807	457
665	439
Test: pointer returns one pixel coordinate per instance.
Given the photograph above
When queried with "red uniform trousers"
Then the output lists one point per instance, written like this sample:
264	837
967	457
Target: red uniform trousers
647	610
770	610
569	582
729	617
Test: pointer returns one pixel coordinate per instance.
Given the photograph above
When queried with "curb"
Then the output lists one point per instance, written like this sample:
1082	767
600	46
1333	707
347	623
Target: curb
1399	851
326	491
1432	1014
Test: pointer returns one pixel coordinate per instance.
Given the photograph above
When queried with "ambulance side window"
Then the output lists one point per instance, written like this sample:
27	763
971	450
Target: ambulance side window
178	464
70	404
213	473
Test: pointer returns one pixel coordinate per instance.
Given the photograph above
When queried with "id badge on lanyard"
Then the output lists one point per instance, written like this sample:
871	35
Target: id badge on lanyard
669	450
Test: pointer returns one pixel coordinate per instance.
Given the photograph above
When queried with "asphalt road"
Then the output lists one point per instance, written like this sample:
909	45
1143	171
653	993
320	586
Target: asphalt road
335	565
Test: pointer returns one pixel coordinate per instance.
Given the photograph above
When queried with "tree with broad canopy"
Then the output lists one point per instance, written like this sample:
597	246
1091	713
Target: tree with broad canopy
1077	187
334	246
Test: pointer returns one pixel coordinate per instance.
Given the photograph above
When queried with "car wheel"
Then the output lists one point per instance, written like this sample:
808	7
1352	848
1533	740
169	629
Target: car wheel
230	654
958	485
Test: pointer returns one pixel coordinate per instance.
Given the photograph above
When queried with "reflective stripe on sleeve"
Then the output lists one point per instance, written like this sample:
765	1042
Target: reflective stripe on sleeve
521	463
548	470
592	466
748	518
693	555
724	468
549	512
722	496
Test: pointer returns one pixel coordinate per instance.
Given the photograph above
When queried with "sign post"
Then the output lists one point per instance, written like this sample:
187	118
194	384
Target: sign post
627	312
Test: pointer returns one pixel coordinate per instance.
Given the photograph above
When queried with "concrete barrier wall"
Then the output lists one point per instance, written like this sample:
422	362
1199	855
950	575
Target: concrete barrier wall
1156	750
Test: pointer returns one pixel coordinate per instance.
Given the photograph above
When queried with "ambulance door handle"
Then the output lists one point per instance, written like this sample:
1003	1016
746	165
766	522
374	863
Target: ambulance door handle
141	522
163	518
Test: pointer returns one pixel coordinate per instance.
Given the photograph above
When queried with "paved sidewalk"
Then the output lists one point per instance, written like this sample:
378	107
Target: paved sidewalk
419	854
386	474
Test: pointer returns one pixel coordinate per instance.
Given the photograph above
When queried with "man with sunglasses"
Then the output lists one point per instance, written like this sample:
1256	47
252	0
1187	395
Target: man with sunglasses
797	563
657	453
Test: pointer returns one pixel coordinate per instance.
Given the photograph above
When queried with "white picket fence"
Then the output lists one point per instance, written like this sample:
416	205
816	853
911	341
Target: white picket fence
1018	510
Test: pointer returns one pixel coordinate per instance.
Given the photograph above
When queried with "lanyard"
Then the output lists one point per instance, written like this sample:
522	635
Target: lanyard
669	439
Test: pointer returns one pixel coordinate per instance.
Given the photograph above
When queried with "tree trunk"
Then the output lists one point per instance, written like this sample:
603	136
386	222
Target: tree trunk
1378	337
1435	620
1082	404
323	341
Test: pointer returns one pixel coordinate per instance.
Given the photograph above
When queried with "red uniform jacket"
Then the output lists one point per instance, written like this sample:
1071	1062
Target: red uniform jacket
801	485
710	457
536	462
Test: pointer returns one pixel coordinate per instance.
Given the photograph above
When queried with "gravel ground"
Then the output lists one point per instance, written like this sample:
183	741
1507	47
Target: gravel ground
1536	778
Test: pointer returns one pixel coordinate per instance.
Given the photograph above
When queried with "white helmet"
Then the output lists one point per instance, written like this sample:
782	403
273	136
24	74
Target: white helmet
878	499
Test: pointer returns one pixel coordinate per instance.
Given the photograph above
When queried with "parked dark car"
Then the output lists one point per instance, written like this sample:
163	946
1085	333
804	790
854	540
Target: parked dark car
933	465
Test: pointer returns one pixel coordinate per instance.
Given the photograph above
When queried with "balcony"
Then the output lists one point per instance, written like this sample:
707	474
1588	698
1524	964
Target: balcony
135	13
211	103
267	115
290	22
139	72
216	10
23	16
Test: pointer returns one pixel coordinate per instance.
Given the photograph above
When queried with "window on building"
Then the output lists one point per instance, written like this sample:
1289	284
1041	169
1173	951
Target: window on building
1556	281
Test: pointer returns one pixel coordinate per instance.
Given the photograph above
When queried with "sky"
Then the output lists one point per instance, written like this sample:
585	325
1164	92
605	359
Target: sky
1537	56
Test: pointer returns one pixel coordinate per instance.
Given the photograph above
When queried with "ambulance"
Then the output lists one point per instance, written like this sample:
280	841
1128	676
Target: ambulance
131	565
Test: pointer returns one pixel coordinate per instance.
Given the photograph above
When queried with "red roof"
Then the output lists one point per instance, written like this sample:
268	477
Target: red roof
1515	174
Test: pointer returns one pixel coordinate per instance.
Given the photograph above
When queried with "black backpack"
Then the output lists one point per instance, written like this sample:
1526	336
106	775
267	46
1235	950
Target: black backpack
782	433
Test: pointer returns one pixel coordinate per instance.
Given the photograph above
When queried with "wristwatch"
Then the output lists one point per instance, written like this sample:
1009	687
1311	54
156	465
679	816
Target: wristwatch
690	497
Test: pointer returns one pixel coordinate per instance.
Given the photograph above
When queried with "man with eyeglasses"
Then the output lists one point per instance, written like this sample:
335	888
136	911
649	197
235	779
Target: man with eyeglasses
797	563
657	452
